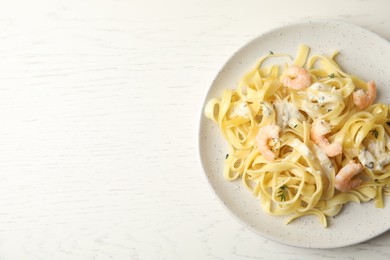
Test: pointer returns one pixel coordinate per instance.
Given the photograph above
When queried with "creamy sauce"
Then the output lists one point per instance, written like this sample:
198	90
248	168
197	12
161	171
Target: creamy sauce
241	110
287	114
305	150
325	162
267	109
319	96
320	86
373	155
384	160
368	160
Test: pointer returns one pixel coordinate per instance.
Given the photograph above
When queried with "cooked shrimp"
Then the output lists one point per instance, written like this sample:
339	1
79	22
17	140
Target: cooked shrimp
364	99
265	134
318	131
343	181
296	78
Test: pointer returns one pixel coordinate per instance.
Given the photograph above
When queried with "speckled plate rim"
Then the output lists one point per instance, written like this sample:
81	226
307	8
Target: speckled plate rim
304	243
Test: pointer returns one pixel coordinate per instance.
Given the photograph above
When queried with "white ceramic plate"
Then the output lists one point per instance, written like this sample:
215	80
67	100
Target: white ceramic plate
362	53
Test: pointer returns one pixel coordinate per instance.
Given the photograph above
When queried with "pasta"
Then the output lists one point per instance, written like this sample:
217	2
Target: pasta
304	136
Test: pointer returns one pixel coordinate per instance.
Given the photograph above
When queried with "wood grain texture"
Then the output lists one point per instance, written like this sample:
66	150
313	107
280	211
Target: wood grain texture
99	104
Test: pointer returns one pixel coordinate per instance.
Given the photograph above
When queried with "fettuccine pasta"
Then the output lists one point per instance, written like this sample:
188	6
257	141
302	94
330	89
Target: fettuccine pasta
305	137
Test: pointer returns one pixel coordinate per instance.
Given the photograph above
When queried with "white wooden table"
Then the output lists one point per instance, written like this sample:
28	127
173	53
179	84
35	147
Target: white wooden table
99	109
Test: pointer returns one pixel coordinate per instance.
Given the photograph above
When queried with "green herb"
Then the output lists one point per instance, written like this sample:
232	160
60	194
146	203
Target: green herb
374	133
295	126
331	75
227	156
370	165
329	110
271	52
282	193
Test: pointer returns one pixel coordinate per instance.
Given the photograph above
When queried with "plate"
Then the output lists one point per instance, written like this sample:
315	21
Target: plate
362	53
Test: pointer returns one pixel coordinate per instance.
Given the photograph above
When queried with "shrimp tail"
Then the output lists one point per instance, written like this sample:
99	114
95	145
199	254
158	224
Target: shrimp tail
317	133
265	134
296	78
343	180
333	149
364	99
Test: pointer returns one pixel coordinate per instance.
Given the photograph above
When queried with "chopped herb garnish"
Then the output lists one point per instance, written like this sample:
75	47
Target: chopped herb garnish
271	52
374	133
227	156
295	126
282	193
331	75
370	165
329	110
